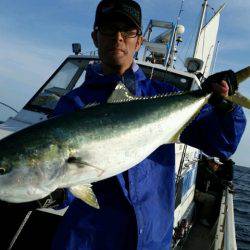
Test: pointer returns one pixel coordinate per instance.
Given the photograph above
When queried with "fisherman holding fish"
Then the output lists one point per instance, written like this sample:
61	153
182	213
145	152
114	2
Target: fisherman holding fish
136	207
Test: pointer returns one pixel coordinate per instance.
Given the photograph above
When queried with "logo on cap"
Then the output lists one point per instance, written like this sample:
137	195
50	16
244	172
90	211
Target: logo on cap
131	11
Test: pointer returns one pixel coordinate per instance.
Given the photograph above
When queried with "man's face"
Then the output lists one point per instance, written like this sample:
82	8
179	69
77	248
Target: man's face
214	165
117	42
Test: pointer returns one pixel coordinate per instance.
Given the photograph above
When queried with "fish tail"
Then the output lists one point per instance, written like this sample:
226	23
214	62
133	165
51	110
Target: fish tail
238	98
243	74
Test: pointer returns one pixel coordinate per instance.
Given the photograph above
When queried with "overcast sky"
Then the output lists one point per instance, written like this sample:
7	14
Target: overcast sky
36	36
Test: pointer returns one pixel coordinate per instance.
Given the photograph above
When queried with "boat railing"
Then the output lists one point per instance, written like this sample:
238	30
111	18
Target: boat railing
225	237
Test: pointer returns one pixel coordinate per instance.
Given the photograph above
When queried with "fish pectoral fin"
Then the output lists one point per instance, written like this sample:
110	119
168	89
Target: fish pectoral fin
80	163
77	161
86	194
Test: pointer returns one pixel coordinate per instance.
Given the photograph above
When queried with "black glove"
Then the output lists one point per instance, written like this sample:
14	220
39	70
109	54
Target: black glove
221	105
229	76
51	201
217	101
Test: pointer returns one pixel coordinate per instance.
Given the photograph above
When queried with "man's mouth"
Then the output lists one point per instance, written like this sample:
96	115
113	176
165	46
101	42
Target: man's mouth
116	49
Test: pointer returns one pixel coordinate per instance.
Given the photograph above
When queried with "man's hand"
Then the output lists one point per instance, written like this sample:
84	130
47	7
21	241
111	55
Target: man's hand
220	89
221	84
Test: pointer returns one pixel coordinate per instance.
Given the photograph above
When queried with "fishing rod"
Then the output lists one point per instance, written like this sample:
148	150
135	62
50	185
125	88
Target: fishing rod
13	241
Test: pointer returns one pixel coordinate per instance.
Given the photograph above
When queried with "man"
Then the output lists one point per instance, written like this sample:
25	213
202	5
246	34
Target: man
209	189
207	174
136	207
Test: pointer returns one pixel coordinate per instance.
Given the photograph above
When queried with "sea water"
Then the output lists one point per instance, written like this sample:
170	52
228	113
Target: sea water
242	206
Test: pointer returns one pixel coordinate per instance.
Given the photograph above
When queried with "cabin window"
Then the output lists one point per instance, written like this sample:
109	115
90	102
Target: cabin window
69	75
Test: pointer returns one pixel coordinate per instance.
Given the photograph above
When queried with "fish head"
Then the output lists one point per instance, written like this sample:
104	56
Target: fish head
21	182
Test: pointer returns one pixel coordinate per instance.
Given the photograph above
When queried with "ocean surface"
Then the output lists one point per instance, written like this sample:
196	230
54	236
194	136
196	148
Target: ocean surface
242	207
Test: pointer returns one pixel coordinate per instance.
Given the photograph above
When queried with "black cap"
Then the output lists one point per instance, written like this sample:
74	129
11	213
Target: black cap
107	9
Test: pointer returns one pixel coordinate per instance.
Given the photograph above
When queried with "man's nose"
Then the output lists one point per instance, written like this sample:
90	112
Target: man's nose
118	36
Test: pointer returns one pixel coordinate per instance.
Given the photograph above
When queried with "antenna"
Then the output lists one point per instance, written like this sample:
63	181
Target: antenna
170	56
204	9
181	10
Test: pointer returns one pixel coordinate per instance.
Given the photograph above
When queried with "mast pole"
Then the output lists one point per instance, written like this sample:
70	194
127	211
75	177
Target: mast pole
215	57
204	8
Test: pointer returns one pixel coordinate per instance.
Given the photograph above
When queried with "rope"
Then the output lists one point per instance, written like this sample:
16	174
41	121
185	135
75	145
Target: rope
6	105
192	37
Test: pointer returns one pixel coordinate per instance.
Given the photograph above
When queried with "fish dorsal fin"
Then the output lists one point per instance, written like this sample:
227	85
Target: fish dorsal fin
86	194
121	94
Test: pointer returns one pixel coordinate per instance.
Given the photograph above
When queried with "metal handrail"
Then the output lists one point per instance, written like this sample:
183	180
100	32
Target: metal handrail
229	235
225	237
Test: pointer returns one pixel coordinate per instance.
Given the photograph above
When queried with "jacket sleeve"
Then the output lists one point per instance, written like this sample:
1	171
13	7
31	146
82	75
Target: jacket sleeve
68	104
216	133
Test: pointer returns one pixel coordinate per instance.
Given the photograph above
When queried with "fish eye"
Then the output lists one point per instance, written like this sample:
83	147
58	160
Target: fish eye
2	170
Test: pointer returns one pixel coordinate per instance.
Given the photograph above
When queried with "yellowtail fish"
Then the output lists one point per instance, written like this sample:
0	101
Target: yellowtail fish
74	150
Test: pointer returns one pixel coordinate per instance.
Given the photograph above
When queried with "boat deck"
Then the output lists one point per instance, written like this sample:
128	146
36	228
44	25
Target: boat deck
200	237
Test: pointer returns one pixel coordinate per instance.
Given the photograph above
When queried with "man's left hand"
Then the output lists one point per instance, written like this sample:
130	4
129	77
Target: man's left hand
221	84
220	89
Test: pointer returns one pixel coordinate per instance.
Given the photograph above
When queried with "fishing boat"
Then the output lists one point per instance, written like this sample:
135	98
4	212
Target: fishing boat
157	59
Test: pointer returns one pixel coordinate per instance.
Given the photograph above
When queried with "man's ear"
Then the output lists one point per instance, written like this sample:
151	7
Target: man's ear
139	43
94	37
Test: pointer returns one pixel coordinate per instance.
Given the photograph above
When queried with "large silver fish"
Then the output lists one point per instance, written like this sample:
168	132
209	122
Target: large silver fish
74	150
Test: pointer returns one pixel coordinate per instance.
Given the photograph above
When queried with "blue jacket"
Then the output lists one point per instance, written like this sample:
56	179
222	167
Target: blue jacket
137	207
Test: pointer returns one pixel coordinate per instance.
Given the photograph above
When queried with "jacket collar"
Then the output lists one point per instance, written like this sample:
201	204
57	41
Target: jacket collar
94	74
